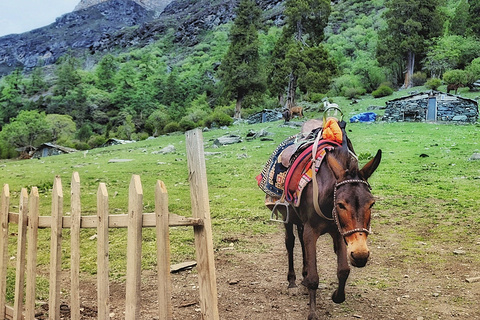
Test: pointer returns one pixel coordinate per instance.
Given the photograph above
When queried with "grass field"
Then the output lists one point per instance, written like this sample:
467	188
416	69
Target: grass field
433	198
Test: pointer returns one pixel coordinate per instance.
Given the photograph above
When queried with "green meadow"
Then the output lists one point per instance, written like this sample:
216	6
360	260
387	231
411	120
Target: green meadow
427	188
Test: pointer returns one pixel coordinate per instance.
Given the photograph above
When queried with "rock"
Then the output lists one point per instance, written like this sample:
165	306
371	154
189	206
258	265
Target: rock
472	280
229	139
475	156
168	149
459	252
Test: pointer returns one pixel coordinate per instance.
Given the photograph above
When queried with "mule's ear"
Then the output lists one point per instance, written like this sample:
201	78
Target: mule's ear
337	169
371	166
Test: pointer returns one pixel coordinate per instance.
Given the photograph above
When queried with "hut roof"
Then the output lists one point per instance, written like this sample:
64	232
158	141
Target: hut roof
426	94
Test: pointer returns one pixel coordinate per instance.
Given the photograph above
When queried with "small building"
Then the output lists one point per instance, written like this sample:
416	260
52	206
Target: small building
50	149
432	106
114	142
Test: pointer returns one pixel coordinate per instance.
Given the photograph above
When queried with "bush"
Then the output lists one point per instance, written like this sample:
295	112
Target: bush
218	118
187	124
433	83
172	127
315	97
419	78
382	91
96	141
352	93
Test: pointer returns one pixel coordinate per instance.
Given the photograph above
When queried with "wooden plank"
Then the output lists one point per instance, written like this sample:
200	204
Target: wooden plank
203	234
163	253
102	253
33	209
21	258
76	212
117	221
4	209
55	250
182	266
134	249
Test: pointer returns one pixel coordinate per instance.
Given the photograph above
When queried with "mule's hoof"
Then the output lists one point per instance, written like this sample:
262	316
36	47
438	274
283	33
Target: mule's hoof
292	285
338	298
312	316
293	291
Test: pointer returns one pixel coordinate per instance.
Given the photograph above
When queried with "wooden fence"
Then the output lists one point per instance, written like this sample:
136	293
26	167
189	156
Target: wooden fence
29	221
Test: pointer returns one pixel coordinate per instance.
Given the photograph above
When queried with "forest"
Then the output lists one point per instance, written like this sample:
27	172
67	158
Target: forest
350	49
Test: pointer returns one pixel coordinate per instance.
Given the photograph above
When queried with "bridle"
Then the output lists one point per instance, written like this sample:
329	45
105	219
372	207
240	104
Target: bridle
334	210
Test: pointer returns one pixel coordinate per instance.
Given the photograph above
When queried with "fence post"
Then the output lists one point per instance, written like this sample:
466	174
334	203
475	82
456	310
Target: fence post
163	253
75	214
21	249
102	253
197	176
134	249
33	208
5	207
55	250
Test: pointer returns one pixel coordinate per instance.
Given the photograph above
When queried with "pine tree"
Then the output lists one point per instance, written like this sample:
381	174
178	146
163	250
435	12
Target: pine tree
302	35
410	24
240	69
474	17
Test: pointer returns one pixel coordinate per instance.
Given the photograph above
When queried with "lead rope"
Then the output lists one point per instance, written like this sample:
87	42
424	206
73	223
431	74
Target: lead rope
316	206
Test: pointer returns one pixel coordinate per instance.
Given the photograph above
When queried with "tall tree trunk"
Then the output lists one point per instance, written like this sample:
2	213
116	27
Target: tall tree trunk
238	108
281	99
292	87
410	66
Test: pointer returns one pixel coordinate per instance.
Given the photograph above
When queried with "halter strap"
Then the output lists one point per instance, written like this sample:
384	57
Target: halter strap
334	210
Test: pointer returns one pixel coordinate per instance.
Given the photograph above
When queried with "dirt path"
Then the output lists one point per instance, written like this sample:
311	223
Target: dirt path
251	281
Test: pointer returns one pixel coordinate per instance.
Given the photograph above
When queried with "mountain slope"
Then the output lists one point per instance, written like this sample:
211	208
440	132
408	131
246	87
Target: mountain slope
120	24
76	30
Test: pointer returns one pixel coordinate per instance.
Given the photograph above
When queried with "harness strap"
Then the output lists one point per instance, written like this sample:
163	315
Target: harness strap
316	206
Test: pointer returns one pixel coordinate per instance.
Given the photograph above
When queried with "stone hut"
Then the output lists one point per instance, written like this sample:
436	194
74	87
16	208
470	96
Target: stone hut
432	106
50	149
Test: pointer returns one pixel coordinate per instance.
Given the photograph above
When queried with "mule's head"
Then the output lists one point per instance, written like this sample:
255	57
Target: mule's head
353	203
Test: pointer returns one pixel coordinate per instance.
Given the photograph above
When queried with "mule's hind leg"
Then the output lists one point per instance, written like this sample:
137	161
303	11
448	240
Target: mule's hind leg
343	269
290	244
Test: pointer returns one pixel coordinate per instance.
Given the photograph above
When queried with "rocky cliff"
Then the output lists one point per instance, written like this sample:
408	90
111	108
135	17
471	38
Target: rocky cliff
156	5
115	24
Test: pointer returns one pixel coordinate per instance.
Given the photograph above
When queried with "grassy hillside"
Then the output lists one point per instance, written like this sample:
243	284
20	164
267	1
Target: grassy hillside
437	194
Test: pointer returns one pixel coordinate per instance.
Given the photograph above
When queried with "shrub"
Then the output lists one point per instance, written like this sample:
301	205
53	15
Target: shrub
172	127
354	92
419	78
433	83
187	124
96	141
382	91
315	97
218	118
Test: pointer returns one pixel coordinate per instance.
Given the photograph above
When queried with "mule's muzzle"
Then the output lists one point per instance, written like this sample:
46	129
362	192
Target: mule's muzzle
357	249
359	260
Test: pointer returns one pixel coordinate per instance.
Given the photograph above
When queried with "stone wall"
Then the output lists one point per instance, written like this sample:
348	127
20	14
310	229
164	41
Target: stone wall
457	110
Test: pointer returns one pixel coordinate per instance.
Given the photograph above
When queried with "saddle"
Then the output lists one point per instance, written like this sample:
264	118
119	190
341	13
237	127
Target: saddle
292	160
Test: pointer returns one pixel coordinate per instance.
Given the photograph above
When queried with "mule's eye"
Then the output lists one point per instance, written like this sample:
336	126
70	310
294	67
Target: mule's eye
341	206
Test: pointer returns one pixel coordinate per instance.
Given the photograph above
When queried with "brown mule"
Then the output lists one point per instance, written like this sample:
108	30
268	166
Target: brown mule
345	203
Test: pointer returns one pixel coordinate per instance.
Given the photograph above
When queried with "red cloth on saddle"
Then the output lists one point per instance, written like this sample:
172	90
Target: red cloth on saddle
300	172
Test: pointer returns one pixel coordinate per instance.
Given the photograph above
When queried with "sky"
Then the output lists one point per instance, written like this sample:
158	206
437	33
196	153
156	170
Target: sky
18	16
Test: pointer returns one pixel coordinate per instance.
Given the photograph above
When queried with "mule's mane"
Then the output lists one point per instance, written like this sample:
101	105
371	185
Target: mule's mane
348	161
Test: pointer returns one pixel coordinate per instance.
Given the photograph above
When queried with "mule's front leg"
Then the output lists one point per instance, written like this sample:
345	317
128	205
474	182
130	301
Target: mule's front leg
343	269
290	244
311	280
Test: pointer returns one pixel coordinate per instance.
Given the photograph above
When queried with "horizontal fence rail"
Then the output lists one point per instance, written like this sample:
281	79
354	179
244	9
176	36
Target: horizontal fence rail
29	222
